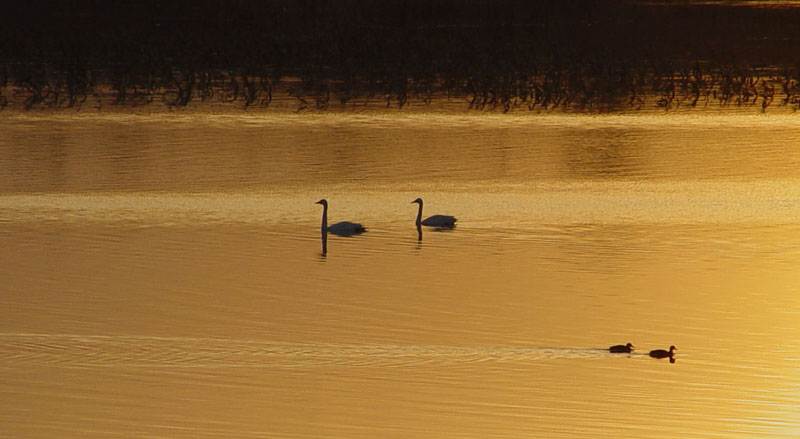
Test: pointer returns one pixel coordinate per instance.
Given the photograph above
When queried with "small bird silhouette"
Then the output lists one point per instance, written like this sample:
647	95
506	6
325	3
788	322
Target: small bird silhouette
661	353
621	348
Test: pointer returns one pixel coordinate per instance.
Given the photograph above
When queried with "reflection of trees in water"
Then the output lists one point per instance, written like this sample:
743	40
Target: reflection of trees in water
604	153
565	89
489	55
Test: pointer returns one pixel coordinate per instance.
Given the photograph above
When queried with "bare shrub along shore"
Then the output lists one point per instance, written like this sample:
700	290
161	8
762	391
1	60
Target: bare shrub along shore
317	54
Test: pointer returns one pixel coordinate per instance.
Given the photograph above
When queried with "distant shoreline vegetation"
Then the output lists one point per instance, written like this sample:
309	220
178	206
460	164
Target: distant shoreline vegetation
564	90
315	55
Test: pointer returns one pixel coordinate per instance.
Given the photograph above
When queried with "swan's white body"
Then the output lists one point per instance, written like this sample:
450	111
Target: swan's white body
441	221
344	228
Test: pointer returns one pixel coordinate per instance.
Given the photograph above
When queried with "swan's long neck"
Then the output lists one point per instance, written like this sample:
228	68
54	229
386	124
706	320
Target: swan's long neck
324	218
419	214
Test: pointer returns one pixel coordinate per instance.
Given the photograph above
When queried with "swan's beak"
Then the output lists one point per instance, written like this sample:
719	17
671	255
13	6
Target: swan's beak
318	202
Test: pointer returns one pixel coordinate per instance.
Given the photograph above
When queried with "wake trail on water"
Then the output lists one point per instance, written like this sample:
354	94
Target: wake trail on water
68	350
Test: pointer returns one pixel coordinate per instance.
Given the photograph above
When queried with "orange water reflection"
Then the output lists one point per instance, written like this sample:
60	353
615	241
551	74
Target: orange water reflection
137	305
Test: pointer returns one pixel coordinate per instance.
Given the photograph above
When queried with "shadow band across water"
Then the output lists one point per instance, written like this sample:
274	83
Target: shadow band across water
65	350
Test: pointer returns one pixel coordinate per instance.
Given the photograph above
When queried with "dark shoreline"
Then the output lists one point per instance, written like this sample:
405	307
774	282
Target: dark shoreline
495	55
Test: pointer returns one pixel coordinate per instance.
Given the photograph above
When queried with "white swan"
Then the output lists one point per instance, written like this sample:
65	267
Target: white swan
441	221
344	228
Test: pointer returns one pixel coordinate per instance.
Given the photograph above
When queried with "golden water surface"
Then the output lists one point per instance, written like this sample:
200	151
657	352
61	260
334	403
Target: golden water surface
162	276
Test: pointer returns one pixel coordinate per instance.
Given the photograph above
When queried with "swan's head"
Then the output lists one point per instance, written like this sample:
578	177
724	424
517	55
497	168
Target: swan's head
418	201
323	201
672	348
630	346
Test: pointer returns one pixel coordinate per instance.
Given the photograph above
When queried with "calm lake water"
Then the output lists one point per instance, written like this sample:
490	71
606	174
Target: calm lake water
163	276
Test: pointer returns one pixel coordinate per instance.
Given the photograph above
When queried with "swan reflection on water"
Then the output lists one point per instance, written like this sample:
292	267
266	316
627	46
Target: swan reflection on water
347	228
343	228
438	222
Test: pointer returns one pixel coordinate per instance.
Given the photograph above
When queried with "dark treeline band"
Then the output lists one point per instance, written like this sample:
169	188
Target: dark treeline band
489	50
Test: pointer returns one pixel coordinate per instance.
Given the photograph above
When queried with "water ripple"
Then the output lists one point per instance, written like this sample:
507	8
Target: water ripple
68	350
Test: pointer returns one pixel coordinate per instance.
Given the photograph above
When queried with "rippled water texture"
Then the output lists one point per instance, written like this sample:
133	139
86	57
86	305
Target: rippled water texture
163	276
